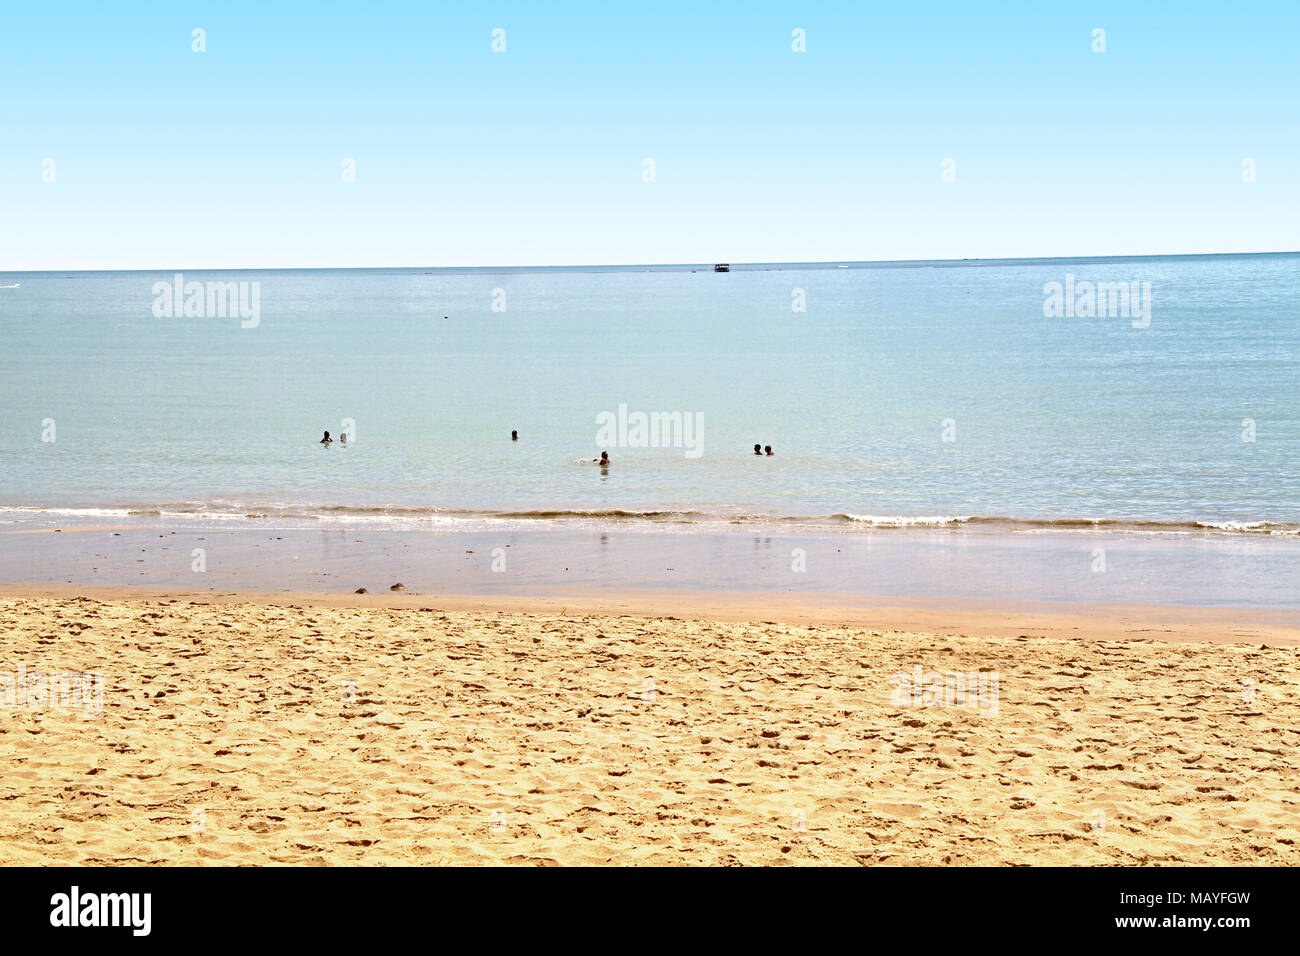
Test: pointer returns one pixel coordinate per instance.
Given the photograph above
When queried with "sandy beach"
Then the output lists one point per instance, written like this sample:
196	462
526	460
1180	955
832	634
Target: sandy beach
407	729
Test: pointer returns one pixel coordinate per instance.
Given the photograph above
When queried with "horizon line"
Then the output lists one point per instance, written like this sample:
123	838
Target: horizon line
755	265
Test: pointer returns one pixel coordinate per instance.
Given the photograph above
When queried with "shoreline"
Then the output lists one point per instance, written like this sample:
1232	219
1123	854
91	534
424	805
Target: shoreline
913	567
403	519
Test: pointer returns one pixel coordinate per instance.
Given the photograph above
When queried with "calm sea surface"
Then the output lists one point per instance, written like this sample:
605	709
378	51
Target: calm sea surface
921	395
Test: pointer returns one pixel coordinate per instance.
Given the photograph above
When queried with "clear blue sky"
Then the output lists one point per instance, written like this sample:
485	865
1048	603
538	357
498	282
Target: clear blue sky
165	158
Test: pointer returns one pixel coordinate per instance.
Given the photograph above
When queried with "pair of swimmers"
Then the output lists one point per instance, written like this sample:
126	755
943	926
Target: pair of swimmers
765	449
343	439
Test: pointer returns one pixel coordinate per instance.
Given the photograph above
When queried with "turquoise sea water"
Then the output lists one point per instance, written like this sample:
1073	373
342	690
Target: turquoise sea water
1054	422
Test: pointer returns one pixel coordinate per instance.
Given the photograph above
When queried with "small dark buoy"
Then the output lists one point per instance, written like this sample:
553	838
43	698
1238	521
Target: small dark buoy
360	591
398	587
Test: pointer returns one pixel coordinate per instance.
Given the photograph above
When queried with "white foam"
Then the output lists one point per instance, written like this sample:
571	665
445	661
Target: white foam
909	521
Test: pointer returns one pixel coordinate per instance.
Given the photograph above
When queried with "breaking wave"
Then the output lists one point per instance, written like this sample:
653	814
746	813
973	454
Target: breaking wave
844	521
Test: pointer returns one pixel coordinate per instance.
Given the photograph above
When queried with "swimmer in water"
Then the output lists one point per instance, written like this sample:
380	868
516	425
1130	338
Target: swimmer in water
758	450
603	460
343	438
767	449
327	440
514	436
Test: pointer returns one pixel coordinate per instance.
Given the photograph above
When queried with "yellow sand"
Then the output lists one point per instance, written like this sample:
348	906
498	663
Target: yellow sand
233	733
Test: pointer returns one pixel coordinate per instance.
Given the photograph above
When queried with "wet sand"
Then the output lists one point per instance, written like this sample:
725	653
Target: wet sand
538	561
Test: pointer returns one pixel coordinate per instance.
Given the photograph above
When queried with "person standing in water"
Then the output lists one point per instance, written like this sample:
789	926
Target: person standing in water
343	438
603	460
758	450
514	436
327	440
767	449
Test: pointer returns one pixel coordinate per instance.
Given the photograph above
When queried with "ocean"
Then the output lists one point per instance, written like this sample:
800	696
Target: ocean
907	395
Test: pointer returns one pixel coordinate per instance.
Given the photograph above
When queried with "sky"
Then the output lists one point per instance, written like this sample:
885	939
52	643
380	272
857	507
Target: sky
123	148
